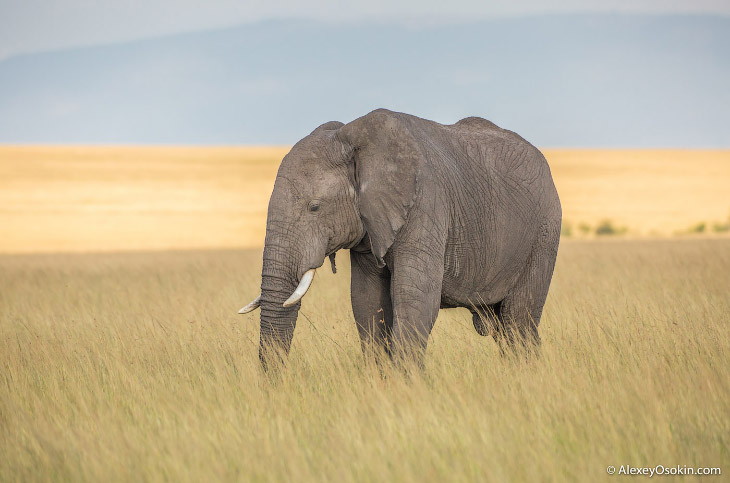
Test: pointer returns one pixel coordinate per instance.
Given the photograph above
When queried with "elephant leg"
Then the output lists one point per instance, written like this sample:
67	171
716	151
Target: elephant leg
371	303
520	312
486	318
416	292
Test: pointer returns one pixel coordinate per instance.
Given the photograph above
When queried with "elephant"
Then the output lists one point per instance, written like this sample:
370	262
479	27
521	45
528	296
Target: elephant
434	215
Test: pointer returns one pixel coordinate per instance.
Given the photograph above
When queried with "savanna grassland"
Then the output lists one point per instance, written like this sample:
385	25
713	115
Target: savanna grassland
77	199
129	362
136	366
64	198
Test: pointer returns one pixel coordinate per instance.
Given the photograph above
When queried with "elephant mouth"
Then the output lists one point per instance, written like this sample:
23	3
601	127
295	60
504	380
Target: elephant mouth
306	280
304	283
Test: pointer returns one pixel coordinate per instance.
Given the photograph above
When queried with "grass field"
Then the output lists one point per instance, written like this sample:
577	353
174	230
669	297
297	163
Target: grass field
129	198
122	357
648	192
124	198
135	366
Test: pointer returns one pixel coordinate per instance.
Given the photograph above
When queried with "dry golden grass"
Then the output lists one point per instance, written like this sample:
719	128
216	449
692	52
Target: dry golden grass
130	198
650	192
136	367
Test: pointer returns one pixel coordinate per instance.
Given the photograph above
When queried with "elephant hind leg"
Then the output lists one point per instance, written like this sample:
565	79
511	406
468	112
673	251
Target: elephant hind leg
521	309
486	318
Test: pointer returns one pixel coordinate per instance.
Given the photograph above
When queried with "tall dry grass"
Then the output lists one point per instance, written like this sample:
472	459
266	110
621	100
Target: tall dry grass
136	367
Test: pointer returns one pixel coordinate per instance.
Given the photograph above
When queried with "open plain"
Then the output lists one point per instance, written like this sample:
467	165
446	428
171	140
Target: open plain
77	199
122	357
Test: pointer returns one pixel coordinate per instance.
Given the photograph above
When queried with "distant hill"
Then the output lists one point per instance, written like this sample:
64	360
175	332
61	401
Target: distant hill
586	80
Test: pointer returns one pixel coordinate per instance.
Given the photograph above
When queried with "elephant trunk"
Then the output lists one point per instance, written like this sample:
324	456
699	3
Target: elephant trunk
278	282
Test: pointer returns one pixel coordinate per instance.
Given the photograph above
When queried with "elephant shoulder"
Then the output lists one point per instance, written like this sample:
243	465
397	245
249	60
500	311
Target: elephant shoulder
482	130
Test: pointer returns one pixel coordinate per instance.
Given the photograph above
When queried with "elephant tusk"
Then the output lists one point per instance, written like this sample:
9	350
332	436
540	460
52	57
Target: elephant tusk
252	306
301	289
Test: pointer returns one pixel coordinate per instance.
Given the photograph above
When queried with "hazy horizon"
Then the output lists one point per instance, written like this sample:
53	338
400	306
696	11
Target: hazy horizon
604	81
46	25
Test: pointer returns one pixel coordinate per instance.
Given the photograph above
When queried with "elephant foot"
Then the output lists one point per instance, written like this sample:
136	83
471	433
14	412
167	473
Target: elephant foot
481	324
485	319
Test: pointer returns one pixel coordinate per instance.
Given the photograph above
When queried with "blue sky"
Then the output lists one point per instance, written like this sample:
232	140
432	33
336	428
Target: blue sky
38	25
639	73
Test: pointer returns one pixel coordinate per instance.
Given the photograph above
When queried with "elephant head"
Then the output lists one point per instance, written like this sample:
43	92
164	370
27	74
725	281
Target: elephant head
338	186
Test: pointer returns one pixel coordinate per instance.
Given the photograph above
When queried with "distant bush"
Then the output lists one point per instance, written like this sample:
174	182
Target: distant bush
721	227
584	228
703	227
698	228
566	229
606	227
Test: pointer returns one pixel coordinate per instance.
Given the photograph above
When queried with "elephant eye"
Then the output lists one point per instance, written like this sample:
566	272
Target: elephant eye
314	206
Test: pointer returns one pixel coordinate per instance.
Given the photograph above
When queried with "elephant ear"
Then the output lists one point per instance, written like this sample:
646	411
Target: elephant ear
386	162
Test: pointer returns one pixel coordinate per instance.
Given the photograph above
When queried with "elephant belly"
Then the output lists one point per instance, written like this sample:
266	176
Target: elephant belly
484	273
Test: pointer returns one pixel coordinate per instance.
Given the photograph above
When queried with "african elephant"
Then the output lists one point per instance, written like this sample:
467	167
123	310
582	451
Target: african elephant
435	216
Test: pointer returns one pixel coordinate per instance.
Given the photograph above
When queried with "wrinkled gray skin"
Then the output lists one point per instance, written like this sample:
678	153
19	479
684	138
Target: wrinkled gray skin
435	216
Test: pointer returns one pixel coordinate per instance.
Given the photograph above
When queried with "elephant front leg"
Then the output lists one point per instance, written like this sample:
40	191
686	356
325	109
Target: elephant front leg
416	292
371	303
